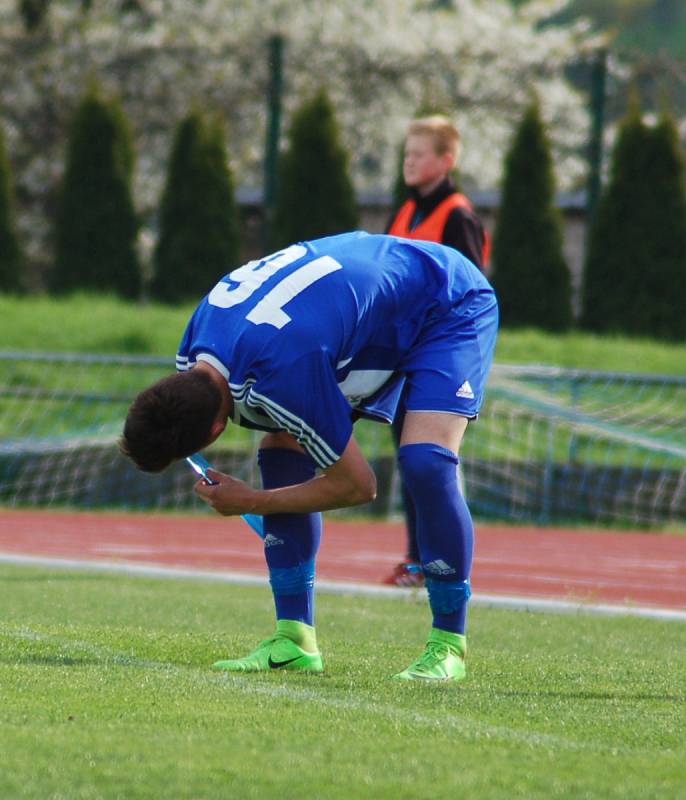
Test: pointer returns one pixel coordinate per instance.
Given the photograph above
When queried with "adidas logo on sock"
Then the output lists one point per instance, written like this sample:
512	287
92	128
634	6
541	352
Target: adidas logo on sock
439	567
465	391
271	541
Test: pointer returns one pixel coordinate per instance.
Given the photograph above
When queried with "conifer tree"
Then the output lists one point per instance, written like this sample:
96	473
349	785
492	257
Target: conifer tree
315	195
33	13
666	317
96	221
399	193
10	252
530	274
635	270
198	236
615	243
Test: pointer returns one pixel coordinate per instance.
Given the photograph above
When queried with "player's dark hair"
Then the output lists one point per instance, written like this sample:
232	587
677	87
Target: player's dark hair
170	419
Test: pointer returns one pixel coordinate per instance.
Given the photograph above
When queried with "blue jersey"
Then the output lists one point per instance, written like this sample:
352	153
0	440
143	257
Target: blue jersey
309	334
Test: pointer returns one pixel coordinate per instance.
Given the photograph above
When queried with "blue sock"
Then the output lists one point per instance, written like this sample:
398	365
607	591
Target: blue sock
445	531
291	541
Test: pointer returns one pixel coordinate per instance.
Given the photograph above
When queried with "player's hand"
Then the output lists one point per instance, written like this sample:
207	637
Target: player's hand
227	497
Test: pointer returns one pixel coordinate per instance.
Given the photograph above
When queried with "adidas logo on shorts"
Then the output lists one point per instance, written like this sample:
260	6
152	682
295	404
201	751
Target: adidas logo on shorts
465	391
271	541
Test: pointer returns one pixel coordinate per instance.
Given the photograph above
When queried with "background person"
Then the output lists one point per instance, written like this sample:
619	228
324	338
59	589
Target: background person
434	211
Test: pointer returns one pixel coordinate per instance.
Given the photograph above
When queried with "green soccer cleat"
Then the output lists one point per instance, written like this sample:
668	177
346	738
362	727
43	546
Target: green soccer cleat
281	651
442	659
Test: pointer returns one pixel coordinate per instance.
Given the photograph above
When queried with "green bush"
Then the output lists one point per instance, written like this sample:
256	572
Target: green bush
315	196
635	269
399	191
33	13
530	274
96	221
198	236
10	252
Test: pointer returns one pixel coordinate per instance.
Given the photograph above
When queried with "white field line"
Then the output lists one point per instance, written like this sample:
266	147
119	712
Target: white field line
318	698
514	603
462	725
77	647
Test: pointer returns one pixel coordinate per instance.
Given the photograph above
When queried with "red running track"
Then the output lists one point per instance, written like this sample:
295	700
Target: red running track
564	564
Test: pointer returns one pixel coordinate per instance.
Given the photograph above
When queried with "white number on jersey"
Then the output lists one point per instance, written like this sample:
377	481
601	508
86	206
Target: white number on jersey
252	275
269	310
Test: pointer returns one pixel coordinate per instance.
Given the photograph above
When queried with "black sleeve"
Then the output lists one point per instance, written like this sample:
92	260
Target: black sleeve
391	219
465	233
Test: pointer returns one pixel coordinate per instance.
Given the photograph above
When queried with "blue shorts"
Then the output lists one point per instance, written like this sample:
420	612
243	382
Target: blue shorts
448	366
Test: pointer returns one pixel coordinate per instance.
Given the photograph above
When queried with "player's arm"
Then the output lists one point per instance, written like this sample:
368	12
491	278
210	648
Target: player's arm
348	482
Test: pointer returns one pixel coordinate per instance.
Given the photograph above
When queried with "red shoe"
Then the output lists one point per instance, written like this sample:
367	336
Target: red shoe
406	573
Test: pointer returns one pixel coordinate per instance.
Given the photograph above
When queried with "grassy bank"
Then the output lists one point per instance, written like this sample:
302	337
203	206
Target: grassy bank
105	325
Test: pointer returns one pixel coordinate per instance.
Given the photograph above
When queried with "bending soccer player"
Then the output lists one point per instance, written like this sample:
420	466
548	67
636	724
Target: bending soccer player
298	345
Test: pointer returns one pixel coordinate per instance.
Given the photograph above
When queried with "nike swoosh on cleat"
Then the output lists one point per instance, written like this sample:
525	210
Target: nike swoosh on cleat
277	664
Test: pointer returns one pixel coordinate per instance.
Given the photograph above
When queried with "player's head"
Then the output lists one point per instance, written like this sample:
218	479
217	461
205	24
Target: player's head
431	150
173	418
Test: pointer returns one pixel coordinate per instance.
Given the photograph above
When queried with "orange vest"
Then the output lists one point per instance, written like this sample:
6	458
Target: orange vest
431	228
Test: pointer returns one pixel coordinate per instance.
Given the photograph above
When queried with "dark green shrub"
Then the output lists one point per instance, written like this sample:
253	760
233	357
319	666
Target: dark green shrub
399	192
530	274
33	13
10	252
198	236
96	221
315	196
635	269
666	317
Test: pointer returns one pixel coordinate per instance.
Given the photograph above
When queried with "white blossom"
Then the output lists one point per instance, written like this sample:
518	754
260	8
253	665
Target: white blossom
380	60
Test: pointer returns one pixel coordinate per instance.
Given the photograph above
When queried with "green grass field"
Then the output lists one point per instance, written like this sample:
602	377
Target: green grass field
105	325
106	693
